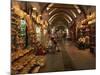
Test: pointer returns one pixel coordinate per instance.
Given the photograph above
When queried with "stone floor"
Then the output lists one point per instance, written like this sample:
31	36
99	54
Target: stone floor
69	58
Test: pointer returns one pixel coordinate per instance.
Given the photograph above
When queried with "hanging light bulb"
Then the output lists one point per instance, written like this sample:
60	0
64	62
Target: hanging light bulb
34	8
48	8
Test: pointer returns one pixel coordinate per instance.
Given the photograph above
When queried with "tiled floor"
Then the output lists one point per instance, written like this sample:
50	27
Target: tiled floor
69	58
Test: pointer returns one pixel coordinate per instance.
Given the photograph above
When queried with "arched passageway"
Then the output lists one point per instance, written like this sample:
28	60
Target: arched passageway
48	37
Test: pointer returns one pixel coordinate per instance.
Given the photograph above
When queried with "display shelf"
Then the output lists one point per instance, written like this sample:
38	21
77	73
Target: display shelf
19	53
26	62
20	63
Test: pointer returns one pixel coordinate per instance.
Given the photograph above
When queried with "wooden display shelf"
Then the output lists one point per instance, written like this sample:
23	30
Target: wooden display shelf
20	63
19	53
13	19
14	23
28	67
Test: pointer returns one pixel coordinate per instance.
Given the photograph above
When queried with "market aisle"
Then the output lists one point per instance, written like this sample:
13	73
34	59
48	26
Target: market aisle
54	62
82	59
69	58
60	61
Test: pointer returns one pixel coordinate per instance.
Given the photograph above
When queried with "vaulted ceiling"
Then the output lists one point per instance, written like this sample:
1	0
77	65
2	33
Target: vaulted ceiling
68	13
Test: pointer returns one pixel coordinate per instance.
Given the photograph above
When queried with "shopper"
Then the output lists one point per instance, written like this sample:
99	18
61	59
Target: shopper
82	42
87	41
40	50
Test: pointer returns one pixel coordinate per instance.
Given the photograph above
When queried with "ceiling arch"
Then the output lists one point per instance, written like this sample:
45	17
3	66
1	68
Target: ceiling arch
61	17
62	14
69	12
49	6
59	14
